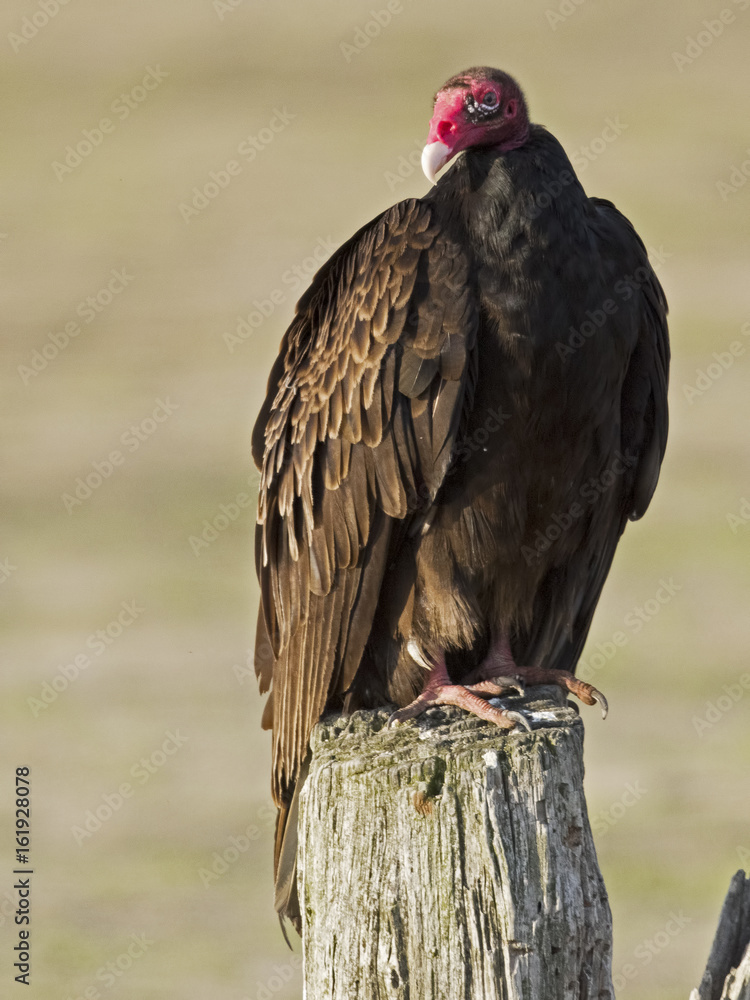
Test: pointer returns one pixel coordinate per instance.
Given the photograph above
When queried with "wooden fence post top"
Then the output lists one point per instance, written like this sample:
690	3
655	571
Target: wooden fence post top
449	858
545	707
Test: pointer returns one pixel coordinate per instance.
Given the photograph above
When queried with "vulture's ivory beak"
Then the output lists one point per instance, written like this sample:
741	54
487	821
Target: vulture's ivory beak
434	156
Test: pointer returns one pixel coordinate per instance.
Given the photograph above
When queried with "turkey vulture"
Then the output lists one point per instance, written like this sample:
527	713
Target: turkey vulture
469	404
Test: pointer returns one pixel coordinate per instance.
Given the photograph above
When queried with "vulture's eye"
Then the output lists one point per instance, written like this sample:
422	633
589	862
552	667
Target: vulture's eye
490	99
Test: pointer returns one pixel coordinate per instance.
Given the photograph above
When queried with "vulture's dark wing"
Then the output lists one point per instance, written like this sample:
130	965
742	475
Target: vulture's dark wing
645	417
362	410
568	599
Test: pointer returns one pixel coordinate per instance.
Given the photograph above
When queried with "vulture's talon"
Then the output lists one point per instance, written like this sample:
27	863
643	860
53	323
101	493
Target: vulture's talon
599	697
397	719
519	718
511	684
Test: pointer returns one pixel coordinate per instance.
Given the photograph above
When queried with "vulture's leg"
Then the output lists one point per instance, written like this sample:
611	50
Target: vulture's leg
440	690
499	666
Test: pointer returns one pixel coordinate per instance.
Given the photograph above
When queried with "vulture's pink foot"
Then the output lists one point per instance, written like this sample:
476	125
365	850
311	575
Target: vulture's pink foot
587	693
500	667
439	690
495	685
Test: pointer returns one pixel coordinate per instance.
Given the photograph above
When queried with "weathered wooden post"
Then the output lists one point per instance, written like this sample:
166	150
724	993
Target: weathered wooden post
727	975
449	859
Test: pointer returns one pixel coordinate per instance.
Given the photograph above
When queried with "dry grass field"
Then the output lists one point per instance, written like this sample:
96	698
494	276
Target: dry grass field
172	173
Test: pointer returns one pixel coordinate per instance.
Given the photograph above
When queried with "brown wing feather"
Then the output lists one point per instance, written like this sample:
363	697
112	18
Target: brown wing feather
363	404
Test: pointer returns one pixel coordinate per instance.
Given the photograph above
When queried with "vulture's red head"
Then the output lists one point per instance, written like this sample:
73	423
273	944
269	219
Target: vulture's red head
479	107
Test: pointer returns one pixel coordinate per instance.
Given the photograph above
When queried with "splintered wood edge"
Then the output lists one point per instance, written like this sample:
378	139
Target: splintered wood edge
727	975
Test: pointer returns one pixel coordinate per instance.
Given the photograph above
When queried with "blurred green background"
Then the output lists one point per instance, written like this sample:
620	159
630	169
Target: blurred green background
150	366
